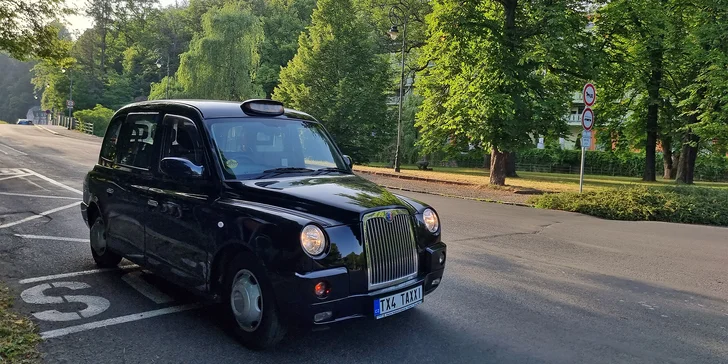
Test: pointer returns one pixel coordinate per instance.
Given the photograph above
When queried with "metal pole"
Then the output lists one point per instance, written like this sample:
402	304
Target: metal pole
167	83
581	174
401	95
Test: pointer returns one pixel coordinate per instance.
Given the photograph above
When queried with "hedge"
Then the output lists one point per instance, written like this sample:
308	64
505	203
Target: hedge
684	204
628	164
99	116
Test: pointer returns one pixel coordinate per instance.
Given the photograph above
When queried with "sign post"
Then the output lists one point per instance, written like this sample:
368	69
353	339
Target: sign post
587	122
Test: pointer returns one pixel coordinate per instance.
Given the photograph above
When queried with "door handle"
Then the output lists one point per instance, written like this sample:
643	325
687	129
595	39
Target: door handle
152	203
109	191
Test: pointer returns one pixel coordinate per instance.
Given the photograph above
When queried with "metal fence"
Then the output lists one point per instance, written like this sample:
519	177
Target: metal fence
87	128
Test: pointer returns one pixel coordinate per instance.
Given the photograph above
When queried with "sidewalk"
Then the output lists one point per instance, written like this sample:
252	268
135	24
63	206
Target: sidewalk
62	131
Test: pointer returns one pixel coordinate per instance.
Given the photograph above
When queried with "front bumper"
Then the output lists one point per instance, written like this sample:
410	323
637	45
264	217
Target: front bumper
344	305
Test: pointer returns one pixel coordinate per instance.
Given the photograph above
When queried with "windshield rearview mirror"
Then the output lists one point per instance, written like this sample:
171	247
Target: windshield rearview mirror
180	168
348	161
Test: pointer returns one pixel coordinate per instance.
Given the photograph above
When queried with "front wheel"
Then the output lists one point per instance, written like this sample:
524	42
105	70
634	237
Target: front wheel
103	257
251	304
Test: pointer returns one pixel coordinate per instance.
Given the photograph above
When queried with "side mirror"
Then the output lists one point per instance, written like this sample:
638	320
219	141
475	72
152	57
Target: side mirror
180	168
348	161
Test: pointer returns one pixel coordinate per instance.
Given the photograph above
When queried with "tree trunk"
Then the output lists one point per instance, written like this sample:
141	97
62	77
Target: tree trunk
667	157
675	163
511	165
653	107
498	167
688	155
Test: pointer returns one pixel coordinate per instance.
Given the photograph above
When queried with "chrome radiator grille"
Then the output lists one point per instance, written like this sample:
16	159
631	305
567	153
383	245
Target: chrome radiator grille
390	247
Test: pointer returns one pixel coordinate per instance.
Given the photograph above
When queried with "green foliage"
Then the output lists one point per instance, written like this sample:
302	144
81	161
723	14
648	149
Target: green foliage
708	167
338	78
16	91
26	31
691	205
99	116
223	59
503	71
18	334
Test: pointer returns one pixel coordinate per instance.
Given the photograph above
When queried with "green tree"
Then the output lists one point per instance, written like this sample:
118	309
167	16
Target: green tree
503	72
223	60
338	77
16	91
25	31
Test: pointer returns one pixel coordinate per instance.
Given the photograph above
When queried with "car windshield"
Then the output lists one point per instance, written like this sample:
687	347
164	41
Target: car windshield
250	148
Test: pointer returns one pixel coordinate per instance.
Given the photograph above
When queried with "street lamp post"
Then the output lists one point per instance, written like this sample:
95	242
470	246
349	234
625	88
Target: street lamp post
70	91
394	33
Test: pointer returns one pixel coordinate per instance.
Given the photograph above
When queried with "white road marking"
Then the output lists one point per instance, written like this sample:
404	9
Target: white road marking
36	295
37	196
13	149
35	184
42	214
59	184
59	238
15	176
135	280
10	171
117	320
76	274
6	153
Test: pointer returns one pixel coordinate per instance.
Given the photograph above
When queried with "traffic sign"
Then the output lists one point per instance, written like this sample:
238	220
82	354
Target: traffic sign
587	119
70	104
589	94
586	137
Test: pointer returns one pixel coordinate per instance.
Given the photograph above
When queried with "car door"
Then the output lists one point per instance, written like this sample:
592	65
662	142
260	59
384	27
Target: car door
138	145
178	234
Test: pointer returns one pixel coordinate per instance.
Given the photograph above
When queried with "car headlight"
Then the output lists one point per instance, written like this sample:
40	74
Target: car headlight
432	223
313	240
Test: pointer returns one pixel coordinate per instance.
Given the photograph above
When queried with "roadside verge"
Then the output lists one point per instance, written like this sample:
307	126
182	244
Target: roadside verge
18	335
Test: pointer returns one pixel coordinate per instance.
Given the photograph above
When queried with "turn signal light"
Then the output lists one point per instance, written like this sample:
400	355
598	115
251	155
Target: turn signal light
322	289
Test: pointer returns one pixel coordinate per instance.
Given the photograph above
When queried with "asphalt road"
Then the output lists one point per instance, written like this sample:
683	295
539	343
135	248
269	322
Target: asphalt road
521	286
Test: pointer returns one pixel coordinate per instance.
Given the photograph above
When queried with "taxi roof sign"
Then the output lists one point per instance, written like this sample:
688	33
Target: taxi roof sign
263	107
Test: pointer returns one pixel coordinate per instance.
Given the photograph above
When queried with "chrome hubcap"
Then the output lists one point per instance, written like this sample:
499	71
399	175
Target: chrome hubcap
246	300
98	239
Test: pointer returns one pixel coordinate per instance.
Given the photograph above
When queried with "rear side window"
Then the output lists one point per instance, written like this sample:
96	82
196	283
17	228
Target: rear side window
136	139
108	149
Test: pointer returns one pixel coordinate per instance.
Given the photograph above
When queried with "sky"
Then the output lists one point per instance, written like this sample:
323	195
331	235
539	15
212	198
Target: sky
79	23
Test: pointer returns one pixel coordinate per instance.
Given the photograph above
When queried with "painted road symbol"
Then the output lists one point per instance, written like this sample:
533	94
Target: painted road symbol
36	295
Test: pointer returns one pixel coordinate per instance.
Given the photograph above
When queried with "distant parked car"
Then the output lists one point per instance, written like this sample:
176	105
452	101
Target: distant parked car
24	122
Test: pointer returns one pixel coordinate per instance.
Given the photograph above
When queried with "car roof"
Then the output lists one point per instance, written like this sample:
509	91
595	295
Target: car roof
211	109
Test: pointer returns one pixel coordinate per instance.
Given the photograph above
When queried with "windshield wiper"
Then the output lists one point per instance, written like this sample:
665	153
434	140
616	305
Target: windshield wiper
330	169
288	170
276	171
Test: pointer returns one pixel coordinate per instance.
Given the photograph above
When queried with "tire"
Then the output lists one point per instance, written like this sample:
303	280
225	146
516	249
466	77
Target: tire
103	257
254	330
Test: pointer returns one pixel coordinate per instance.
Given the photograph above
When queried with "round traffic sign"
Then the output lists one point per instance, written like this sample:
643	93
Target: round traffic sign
587	119
589	94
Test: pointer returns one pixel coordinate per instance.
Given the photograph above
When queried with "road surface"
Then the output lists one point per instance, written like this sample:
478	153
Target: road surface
521	286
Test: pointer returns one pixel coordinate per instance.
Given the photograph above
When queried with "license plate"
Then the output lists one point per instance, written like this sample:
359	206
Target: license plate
396	303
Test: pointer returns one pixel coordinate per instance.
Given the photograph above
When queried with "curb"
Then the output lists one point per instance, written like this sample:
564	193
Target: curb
460	197
46	129
414	178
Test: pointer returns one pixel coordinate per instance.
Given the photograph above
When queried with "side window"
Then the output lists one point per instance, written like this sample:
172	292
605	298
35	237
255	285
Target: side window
183	141
108	148
136	140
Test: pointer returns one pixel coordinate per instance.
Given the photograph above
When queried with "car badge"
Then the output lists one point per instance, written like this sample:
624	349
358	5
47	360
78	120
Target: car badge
388	216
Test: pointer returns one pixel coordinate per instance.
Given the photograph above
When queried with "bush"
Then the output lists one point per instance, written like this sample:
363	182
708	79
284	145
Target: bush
708	167
99	116
685	204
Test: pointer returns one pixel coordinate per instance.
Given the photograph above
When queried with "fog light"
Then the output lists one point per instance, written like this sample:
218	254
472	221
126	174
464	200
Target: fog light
435	281
442	258
322	316
322	289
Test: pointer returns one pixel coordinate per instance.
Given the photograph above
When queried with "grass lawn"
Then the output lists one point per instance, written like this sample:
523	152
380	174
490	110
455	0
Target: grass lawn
548	182
18	336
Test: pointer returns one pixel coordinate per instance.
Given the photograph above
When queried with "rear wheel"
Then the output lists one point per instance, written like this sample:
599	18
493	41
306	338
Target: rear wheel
103	257
251	304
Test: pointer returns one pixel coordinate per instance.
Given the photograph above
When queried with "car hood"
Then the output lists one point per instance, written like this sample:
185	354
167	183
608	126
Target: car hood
338	199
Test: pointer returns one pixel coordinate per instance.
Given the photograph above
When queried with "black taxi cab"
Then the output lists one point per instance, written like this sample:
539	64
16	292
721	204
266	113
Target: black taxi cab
254	206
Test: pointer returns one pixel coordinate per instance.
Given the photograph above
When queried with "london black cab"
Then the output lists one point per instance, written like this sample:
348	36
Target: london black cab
253	205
